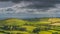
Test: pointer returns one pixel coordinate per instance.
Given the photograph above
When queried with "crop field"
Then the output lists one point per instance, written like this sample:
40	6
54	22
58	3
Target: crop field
30	26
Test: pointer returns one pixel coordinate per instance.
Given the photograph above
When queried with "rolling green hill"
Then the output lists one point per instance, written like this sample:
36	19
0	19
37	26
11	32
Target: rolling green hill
16	21
13	21
30	26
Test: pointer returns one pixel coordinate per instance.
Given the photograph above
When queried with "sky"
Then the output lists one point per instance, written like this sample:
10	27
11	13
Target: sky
29	8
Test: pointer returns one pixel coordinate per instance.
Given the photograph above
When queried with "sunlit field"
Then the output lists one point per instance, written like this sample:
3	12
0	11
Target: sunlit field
30	26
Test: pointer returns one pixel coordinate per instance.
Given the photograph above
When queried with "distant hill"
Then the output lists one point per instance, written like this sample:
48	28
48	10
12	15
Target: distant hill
12	21
16	21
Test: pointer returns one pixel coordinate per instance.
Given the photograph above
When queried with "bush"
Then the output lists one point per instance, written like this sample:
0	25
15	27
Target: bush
36	30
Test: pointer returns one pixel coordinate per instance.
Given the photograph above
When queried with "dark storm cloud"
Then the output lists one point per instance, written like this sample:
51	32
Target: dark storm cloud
15	1
41	4
44	4
52	1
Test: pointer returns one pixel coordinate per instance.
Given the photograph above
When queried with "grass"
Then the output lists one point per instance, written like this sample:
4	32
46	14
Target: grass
29	28
19	32
30	25
45	32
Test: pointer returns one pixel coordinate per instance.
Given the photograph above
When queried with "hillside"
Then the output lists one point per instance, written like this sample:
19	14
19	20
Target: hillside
16	21
12	21
30	26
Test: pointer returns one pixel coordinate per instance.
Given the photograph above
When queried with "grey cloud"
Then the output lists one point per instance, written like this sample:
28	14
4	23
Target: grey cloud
44	4
38	4
15	1
34	9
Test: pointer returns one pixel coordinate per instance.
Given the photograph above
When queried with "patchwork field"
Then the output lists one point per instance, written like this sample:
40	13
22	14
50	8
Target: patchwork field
30	26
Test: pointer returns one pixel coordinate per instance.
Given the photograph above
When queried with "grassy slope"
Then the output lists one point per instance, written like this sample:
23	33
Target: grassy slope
14	21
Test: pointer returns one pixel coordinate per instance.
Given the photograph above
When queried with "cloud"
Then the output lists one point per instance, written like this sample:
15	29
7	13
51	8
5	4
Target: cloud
40	4
6	4
31	9
15	8
21	9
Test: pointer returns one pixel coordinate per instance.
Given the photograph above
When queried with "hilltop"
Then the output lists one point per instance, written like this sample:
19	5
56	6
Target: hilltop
16	21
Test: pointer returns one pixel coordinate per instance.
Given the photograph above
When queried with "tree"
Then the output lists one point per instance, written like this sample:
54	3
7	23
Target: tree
36	30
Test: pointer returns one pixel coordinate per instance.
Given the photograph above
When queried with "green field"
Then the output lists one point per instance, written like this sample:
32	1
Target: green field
30	26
